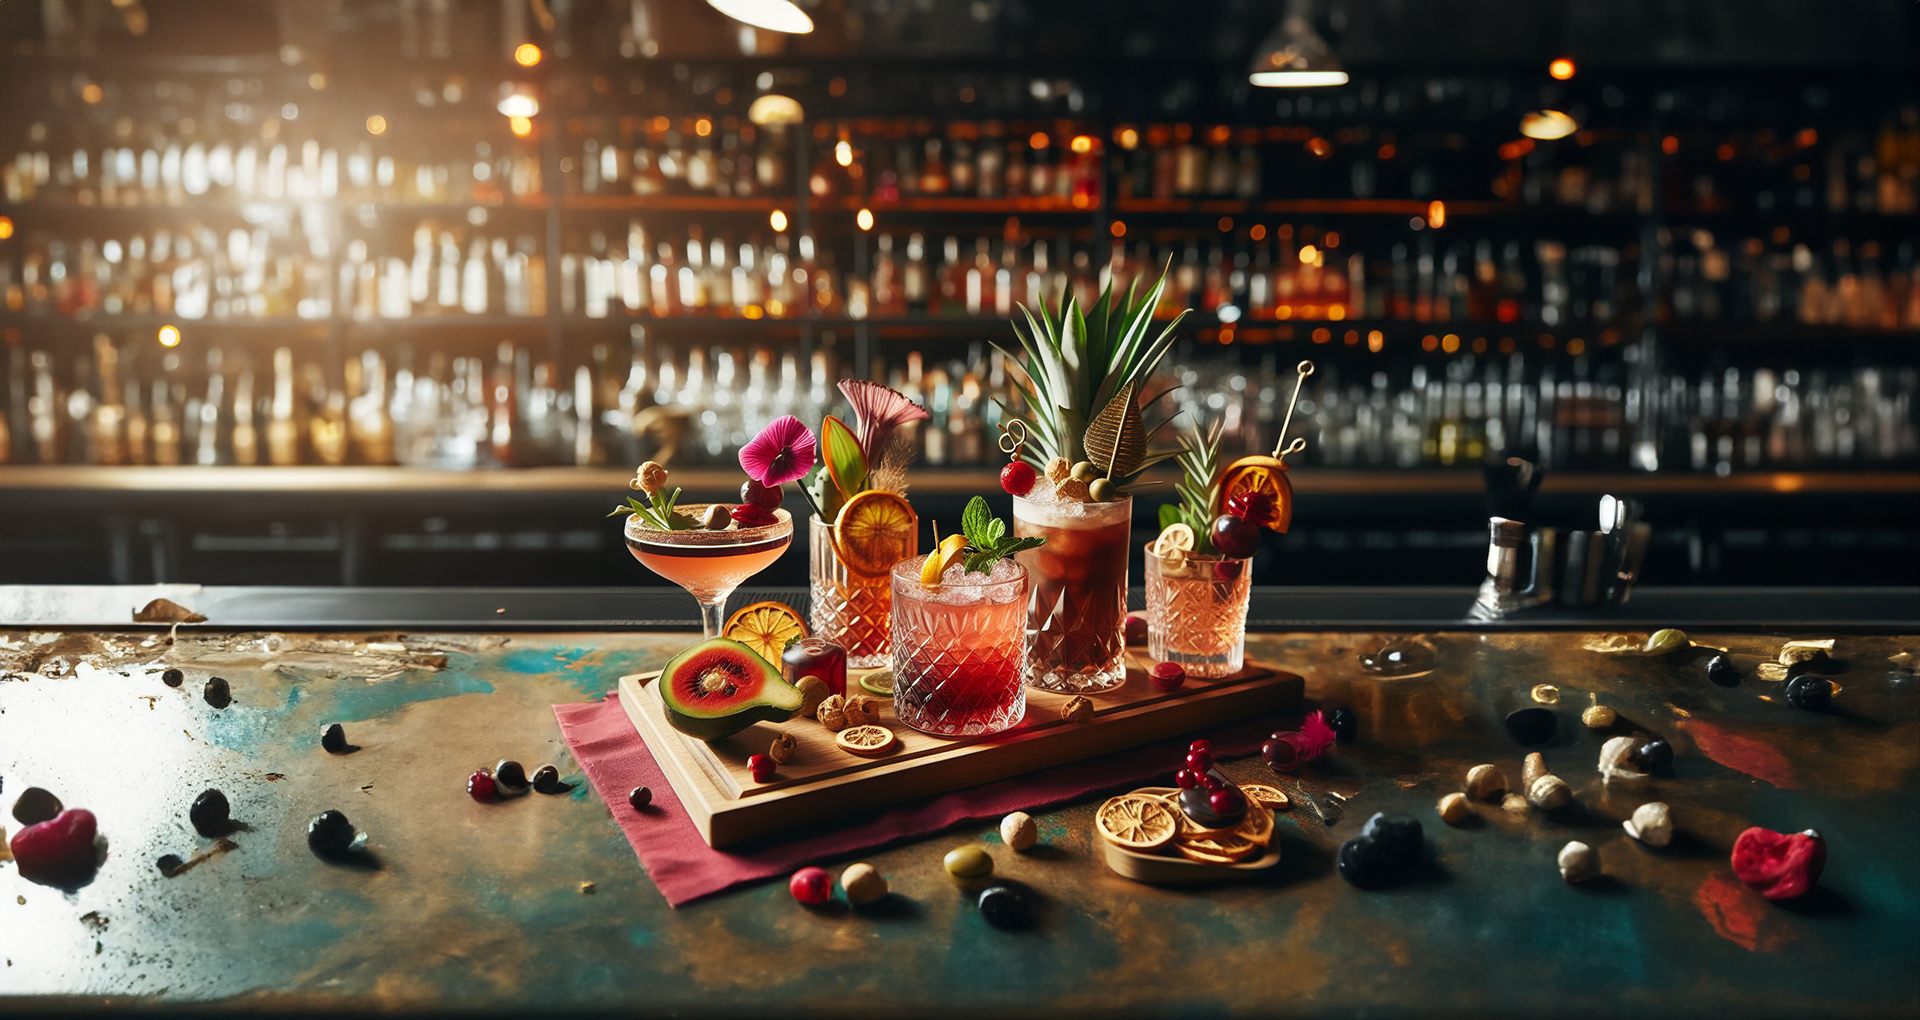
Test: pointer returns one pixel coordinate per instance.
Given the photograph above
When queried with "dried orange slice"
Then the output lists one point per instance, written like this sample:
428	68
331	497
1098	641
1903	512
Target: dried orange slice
869	741
1217	849
941	558
1260	474
1175	541
765	627
875	530
1136	822
1257	826
1272	798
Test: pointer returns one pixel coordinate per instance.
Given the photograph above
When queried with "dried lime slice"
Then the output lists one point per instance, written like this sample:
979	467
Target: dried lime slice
880	682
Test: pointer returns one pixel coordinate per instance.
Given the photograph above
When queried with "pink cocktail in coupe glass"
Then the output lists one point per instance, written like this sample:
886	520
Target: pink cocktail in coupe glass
709	564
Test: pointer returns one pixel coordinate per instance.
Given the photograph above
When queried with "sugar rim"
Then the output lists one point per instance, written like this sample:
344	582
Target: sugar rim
782	527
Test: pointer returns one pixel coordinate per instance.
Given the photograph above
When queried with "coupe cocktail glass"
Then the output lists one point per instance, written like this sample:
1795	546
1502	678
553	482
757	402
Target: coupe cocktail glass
709	564
1076	620
1197	612
851	608
959	649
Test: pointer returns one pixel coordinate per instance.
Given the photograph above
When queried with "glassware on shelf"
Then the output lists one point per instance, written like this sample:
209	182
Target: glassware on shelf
709	564
1076	616
850	607
1197	612
959	649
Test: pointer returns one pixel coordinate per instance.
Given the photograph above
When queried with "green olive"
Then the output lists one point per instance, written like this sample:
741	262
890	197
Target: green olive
1084	472
1101	490
1665	642
968	862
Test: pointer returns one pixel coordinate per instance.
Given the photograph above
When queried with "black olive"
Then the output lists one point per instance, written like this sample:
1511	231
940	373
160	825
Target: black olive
1345	725
546	779
168	864
210	814
334	739
510	778
35	806
330	834
1813	693
1006	906
1398	838
1532	726
1362	864
1655	755
172	677
218	694
1722	671
640	797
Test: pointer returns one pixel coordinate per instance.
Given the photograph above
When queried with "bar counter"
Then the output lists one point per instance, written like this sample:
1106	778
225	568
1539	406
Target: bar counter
487	908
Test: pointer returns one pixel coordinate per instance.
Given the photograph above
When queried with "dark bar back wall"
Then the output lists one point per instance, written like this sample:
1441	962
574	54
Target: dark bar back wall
373	292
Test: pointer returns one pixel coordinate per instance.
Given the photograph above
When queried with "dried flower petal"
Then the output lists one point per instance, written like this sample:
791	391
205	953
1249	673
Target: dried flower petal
879	410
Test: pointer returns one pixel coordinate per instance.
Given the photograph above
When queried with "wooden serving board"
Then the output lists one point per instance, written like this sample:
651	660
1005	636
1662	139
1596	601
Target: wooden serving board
823	782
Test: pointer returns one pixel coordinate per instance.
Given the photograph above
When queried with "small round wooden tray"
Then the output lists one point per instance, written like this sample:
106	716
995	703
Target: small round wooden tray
1163	869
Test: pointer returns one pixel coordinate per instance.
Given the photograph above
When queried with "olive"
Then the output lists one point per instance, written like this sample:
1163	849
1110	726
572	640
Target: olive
640	797
210	814
1006	906
218	693
1723	672
1345	725
35	806
334	739
330	834
1655	755
172	677
1664	642
1532	726
1084	471
1397	837
168	864
1813	693
1100	490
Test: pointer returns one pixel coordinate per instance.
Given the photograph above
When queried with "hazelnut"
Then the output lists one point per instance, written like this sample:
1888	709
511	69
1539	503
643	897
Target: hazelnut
832	713
1579	862
863	883
1515	805
1531	769
716	518
1599	717
1549	793
783	749
1018	831
1454	808
1770	671
1058	470
1485	782
1617	760
1077	710
861	710
813	691
1651	824
1795	652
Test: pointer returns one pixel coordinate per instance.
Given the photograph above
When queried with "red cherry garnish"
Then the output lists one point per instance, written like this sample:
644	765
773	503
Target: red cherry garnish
1017	478
761	768
1200	761
767	497
747	515
1167	676
812	886
480	786
1253	506
1211	782
1226	802
56	851
1779	865
1186	778
1235	536
1201	746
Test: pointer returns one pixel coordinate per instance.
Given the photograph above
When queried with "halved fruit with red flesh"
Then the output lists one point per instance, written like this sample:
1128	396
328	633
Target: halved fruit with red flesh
1779	865
719	687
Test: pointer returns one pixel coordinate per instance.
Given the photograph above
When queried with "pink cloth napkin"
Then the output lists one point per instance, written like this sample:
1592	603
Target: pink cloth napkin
685	868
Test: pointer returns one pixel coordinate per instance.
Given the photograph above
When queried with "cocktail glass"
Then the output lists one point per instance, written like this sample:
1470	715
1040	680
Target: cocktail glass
959	649
1197	612
851	608
1076	619
709	564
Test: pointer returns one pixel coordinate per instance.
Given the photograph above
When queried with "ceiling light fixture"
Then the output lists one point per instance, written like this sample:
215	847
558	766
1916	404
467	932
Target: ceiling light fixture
1547	125
1294	55
772	15
775	109
519	104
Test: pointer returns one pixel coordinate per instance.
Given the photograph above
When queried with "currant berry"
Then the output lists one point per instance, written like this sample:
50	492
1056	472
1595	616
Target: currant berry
1226	802
1186	779
761	767
1235	536
1017	478
1212	783
1167	676
766	497
480	786
1201	746
811	886
1200	762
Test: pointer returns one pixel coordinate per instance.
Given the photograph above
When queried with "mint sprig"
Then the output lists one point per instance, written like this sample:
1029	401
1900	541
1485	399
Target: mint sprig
987	539
656	511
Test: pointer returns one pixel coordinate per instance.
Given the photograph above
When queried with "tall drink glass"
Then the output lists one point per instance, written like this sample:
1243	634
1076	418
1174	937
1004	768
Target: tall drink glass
1197	612
959	649
850	608
1076	618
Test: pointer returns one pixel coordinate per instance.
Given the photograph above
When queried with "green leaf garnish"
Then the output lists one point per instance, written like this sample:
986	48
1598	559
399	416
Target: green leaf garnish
987	539
1199	488
657	512
846	463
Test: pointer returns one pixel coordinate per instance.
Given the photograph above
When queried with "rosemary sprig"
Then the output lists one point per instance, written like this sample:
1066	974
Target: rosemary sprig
1198	488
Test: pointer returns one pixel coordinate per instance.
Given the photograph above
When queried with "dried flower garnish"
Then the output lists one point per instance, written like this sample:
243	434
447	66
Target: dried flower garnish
878	410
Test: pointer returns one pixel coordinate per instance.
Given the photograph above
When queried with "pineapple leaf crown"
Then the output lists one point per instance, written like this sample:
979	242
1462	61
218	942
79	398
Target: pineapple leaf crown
1079	365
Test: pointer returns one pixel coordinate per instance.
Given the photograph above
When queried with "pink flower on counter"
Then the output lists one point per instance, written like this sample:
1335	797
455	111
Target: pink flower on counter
783	452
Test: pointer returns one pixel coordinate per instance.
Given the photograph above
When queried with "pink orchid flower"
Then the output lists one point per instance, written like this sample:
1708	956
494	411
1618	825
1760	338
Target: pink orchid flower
783	452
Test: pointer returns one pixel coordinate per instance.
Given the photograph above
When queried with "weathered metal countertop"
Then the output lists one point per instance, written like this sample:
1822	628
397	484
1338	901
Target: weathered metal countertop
479	907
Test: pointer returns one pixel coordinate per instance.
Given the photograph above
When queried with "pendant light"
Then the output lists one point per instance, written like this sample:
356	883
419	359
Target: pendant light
772	15
1293	55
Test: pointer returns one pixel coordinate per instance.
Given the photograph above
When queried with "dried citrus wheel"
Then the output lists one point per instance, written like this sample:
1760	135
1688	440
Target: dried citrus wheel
1227	849
1174	541
941	558
1136	821
765	627
875	530
880	682
1271	797
1257	825
1260	474
865	740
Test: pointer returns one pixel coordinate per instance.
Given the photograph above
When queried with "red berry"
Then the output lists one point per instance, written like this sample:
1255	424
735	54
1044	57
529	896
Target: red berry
1255	506
57	850
1167	676
1779	865
1281	754
1201	746
1017	478
1200	762
1235	536
1211	782
762	768
747	515
1136	631
1187	779
812	886
766	497
1226	802
480	786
